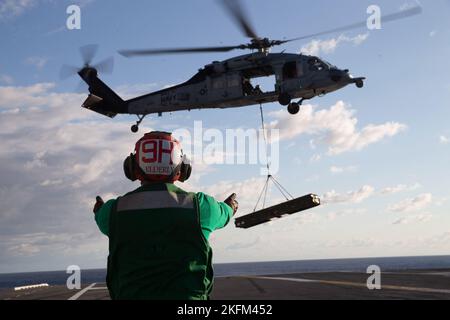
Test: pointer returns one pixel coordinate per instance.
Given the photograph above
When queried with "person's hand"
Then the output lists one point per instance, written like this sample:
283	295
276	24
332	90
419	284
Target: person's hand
231	201
98	204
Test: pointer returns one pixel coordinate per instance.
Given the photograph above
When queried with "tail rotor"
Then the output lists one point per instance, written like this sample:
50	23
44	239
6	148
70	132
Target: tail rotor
88	70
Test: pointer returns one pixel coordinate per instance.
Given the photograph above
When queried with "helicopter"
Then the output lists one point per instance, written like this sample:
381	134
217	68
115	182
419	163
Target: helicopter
227	84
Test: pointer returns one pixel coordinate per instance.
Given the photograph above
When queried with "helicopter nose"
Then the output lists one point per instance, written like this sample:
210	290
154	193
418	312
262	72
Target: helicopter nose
336	74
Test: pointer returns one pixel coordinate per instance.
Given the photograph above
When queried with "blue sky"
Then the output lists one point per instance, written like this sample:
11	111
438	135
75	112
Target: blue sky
386	192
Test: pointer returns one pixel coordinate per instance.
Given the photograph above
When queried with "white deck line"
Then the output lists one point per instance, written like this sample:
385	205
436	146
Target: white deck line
81	292
284	279
357	284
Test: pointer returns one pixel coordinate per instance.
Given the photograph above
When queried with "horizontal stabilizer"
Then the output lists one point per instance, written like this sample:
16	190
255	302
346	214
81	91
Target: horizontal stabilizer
286	208
97	104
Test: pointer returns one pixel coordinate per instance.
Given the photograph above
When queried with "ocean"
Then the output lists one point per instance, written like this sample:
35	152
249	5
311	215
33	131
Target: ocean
10	280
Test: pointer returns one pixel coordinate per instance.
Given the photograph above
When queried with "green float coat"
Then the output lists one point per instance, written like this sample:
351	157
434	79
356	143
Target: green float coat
158	242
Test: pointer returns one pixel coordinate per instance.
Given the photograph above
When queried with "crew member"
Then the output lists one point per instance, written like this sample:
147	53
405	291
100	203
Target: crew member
158	233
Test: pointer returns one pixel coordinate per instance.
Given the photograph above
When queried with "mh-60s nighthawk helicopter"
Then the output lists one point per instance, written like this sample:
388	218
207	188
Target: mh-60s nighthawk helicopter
227	84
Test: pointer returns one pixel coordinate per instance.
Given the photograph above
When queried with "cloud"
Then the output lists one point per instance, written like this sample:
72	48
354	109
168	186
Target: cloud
48	182
99	165
331	216
130	91
5	79
56	30
83	3
412	204
444	140
413	219
315	158
352	243
338	170
12	8
39	107
37	62
33	244
247	192
399	188
334	127
317	47
350	197
55	157
438	240
409	5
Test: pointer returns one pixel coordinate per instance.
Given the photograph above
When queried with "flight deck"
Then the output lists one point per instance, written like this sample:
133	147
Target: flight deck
405	284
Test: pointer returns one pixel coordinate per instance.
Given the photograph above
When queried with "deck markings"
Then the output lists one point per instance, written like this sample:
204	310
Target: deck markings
99	288
358	284
81	292
257	286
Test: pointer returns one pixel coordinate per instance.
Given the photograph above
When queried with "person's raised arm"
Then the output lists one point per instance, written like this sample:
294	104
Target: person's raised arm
102	211
215	214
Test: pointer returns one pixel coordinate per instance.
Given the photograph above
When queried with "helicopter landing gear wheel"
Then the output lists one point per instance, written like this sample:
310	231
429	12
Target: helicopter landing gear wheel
284	99
359	83
293	108
135	127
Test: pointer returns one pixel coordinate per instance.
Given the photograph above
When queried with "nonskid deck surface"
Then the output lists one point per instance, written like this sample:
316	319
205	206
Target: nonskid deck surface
411	284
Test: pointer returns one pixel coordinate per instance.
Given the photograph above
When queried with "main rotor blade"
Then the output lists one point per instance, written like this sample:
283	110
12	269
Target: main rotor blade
82	87
236	11
384	19
133	53
67	71
88	52
105	66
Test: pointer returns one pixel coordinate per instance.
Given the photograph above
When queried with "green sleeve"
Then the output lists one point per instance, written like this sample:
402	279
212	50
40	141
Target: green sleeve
213	214
102	216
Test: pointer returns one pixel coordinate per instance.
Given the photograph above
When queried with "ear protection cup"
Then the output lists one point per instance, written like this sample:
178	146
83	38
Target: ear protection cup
185	171
129	167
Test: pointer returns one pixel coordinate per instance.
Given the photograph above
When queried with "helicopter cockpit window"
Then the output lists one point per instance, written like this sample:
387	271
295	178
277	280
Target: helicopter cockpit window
329	65
315	64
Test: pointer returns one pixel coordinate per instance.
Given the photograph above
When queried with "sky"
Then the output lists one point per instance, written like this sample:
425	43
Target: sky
377	156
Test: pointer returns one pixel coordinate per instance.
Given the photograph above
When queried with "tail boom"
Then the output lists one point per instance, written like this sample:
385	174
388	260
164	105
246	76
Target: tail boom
102	99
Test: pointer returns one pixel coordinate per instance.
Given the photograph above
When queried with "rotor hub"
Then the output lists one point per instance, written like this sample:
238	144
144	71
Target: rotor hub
88	72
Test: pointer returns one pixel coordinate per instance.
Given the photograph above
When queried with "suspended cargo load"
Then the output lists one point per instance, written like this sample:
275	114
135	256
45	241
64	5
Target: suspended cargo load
278	211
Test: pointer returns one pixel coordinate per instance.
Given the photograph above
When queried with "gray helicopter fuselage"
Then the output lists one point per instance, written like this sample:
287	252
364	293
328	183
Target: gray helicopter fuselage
226	84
